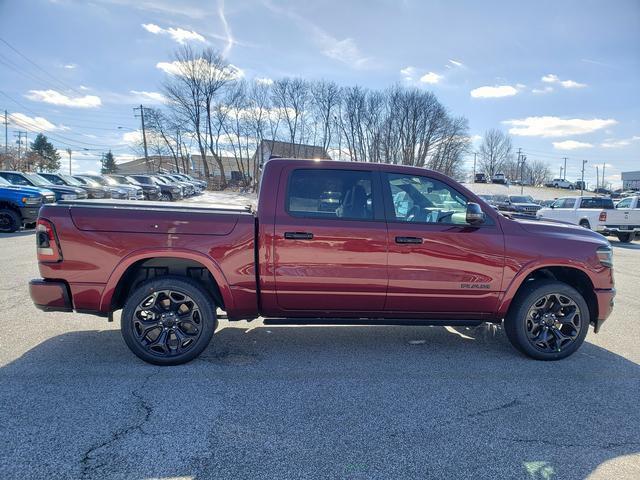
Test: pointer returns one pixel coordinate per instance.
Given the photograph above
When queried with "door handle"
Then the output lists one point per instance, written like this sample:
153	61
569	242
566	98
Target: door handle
298	235
408	240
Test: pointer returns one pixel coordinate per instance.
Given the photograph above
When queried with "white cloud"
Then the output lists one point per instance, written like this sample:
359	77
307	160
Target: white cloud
179	68
70	66
408	73
548	126
552	78
149	96
345	51
546	89
264	81
456	63
625	142
179	35
132	137
571	145
56	98
572	84
33	123
431	78
494	92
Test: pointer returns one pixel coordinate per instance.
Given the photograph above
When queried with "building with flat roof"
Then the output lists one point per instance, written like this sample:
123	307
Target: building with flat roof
631	179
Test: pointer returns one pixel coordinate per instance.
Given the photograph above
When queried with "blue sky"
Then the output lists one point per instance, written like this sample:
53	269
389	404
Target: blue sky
562	76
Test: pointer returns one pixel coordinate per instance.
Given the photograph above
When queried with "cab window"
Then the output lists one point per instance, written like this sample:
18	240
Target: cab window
331	194
626	203
418	199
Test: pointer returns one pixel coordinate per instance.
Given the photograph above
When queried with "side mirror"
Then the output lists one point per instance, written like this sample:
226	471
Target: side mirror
475	215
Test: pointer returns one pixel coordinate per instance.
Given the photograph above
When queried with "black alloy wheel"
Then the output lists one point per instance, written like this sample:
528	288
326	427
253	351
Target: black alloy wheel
548	320
553	322
9	221
168	320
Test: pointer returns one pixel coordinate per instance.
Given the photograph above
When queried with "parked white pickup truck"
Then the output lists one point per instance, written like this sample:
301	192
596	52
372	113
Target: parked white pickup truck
588	212
624	221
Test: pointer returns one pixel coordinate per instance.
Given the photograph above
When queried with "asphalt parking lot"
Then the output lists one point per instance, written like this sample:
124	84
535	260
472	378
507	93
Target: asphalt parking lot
310	402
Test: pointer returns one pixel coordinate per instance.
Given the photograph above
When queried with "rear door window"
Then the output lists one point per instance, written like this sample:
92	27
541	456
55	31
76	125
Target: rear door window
333	194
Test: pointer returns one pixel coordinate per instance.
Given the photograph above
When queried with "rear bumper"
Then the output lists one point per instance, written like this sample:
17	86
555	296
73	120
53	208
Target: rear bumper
605	305
50	296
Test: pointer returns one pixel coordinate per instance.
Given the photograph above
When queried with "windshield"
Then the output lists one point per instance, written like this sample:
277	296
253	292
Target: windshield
521	199
4	182
38	180
501	198
132	180
161	180
71	181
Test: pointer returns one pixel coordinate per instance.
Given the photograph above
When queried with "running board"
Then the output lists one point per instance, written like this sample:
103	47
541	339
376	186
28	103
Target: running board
372	322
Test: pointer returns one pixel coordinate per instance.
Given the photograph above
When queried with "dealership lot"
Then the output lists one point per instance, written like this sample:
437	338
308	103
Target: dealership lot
292	402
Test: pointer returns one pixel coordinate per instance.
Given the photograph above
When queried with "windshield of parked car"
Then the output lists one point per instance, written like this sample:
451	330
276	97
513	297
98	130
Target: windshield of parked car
71	181
521	199
97	180
38	180
132	180
500	198
5	182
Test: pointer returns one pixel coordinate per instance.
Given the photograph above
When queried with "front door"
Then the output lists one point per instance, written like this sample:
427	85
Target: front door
438	264
330	241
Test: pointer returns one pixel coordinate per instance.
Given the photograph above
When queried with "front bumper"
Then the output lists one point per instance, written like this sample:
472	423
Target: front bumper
50	296
29	214
605	305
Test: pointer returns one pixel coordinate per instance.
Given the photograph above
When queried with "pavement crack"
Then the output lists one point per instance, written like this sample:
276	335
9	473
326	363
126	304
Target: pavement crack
479	413
90	455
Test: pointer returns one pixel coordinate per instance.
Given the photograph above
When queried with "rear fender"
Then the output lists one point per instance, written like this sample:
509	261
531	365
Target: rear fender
125	263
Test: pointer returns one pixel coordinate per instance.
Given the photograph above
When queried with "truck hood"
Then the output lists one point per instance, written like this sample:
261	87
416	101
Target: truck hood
561	230
21	188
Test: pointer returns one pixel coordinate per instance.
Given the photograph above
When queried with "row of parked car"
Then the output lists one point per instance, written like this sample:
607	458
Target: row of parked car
22	193
611	217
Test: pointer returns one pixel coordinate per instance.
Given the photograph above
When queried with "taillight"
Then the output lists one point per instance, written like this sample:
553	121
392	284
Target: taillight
603	217
47	242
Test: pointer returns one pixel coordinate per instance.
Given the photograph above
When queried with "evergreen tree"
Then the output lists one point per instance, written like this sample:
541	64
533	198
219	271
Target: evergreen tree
109	163
47	157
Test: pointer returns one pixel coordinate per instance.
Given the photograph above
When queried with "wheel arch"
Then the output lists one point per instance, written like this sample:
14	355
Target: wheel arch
140	266
572	276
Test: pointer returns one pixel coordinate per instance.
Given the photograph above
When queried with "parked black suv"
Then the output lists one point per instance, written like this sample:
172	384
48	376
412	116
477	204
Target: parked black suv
151	192
167	192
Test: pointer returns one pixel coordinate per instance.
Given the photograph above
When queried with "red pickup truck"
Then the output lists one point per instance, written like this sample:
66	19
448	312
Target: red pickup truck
329	242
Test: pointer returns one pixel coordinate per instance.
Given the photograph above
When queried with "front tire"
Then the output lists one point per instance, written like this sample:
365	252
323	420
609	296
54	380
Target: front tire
10	221
626	237
547	321
168	320
166	197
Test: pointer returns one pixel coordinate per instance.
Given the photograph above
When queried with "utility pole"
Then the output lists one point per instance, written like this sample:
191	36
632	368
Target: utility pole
603	185
565	169
561	173
475	155
144	134
69	152
582	182
524	158
6	134
597	177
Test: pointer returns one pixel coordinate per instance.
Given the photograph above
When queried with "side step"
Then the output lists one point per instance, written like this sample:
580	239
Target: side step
372	322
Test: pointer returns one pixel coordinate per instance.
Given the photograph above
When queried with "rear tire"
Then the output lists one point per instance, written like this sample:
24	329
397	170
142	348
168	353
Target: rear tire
585	224
168	320
548	320
165	197
10	221
626	237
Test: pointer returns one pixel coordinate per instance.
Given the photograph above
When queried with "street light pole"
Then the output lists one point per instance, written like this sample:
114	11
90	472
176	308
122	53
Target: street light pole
69	152
582	182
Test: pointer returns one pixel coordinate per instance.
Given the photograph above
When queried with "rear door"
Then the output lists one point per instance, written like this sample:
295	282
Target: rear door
439	266
330	240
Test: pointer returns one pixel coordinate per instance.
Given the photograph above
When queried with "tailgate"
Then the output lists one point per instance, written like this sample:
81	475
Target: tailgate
139	220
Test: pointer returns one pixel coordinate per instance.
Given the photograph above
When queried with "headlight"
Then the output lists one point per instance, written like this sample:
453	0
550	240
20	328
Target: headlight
69	196
175	189
605	255
31	201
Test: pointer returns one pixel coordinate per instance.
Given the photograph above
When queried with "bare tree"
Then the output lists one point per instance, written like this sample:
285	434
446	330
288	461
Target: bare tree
495	151
291	98
539	172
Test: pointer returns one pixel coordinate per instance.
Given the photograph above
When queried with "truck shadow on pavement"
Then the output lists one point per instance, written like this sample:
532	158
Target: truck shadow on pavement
319	402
